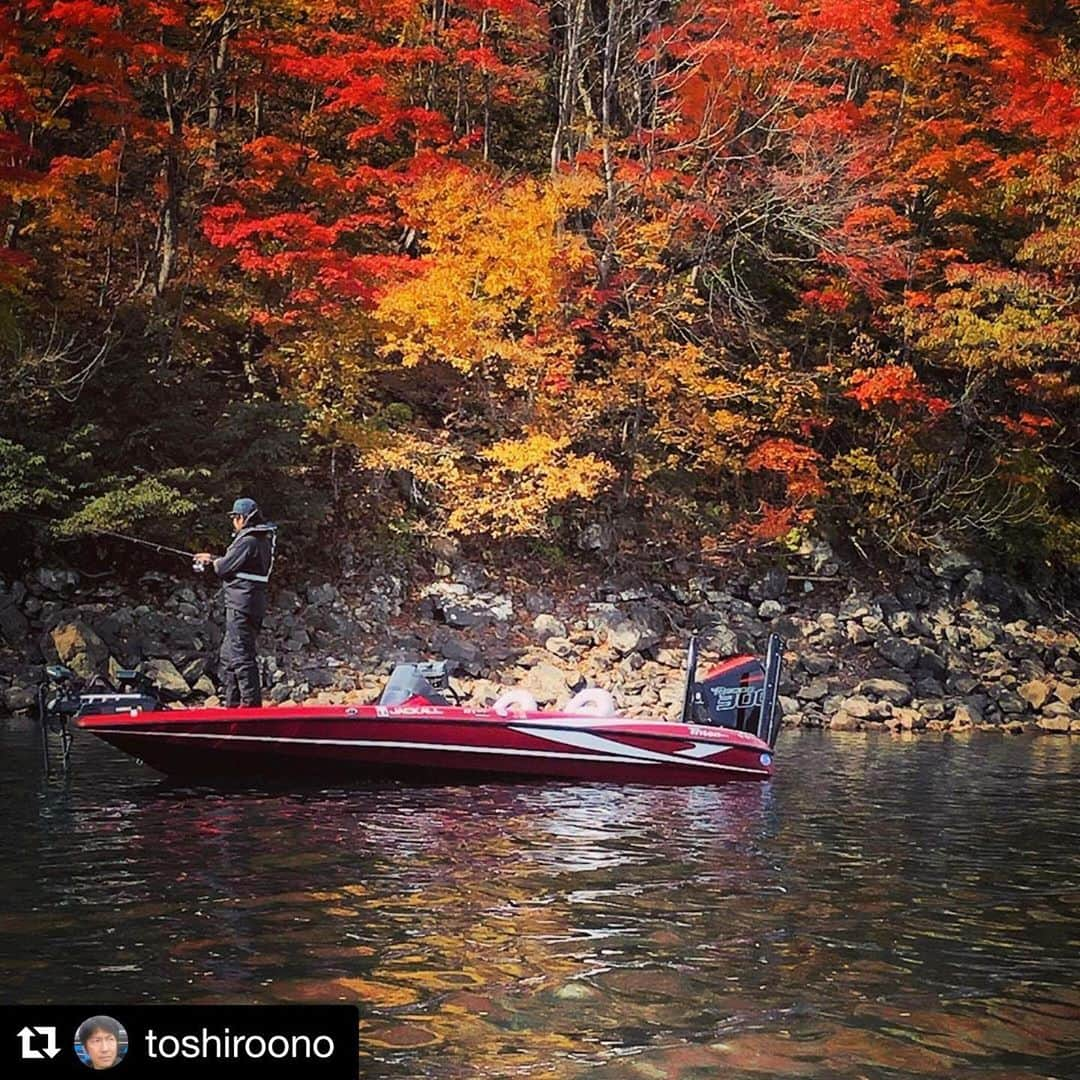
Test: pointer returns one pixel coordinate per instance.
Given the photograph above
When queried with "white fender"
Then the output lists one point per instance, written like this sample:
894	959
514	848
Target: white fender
592	701
517	701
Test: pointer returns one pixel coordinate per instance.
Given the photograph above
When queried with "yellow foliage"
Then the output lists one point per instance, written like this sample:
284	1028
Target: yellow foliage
528	478
498	270
331	368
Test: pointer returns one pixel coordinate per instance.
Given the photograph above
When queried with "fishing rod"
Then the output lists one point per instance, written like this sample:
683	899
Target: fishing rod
146	543
198	567
153	544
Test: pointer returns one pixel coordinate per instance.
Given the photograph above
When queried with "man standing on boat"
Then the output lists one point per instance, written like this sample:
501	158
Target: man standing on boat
245	571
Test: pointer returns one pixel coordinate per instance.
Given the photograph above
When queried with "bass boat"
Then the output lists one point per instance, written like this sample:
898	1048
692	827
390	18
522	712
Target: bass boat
727	731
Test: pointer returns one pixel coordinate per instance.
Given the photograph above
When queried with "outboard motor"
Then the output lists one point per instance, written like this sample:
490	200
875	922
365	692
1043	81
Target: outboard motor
739	693
426	680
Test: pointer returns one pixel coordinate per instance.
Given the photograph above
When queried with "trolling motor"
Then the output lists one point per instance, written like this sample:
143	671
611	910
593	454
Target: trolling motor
64	697
738	693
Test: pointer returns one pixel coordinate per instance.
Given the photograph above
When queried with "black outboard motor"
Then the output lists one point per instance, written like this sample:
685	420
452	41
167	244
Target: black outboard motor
739	693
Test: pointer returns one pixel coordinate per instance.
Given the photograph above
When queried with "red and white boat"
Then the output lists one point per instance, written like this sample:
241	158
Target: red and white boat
727	732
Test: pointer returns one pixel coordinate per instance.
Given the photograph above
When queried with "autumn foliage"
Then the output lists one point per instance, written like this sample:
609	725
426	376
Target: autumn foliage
690	269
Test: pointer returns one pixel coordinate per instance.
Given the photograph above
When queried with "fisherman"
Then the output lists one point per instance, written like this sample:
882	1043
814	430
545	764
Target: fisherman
245	570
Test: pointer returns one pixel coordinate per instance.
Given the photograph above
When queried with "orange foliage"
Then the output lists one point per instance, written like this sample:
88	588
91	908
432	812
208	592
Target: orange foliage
894	384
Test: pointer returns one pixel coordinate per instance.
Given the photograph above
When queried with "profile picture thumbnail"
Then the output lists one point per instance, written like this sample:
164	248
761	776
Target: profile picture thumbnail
101	1042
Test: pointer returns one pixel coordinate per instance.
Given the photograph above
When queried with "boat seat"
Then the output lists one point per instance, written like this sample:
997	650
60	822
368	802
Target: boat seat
591	701
515	701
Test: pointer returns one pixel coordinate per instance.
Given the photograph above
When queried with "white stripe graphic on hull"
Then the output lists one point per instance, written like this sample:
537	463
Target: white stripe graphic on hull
586	740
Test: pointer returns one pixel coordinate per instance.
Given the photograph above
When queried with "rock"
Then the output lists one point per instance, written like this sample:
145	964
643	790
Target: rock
58	582
843	721
14	626
79	648
19	699
1035	693
909	719
858	635
965	717
909	624
204	686
1059	724
962	683
194	670
774	584
465	652
280	693
164	675
636	631
930	662
1011	704
817	690
816	663
1057	708
899	652
981	638
769	609
863	708
950	565
931	710
563	647
547	625
319	595
896	693
317	678
1066	692
462	617
927	687
912	593
549	684
483	693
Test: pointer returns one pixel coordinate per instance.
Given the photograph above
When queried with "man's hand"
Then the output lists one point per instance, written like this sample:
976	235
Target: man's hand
204	557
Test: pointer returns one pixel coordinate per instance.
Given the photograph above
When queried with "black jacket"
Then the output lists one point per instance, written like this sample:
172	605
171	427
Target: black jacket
250	553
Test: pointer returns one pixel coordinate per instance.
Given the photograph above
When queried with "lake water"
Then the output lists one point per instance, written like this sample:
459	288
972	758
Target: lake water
884	908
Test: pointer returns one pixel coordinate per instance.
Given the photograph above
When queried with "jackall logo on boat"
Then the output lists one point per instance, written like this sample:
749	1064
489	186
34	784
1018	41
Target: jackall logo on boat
738	697
410	710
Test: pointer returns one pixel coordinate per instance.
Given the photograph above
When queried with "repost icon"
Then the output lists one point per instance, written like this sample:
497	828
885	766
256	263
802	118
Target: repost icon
32	1038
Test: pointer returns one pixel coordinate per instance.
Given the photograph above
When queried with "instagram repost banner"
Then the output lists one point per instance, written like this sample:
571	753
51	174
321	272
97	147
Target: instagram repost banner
145	1042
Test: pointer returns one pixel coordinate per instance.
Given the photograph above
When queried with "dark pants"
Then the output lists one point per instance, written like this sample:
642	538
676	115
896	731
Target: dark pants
239	668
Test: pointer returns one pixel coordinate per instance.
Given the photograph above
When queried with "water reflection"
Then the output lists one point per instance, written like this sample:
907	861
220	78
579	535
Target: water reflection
884	908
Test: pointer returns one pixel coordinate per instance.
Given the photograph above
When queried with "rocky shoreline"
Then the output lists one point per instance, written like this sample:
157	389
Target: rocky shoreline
947	648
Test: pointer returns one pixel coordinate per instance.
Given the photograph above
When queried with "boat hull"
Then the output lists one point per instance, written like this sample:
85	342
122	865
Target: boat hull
427	742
